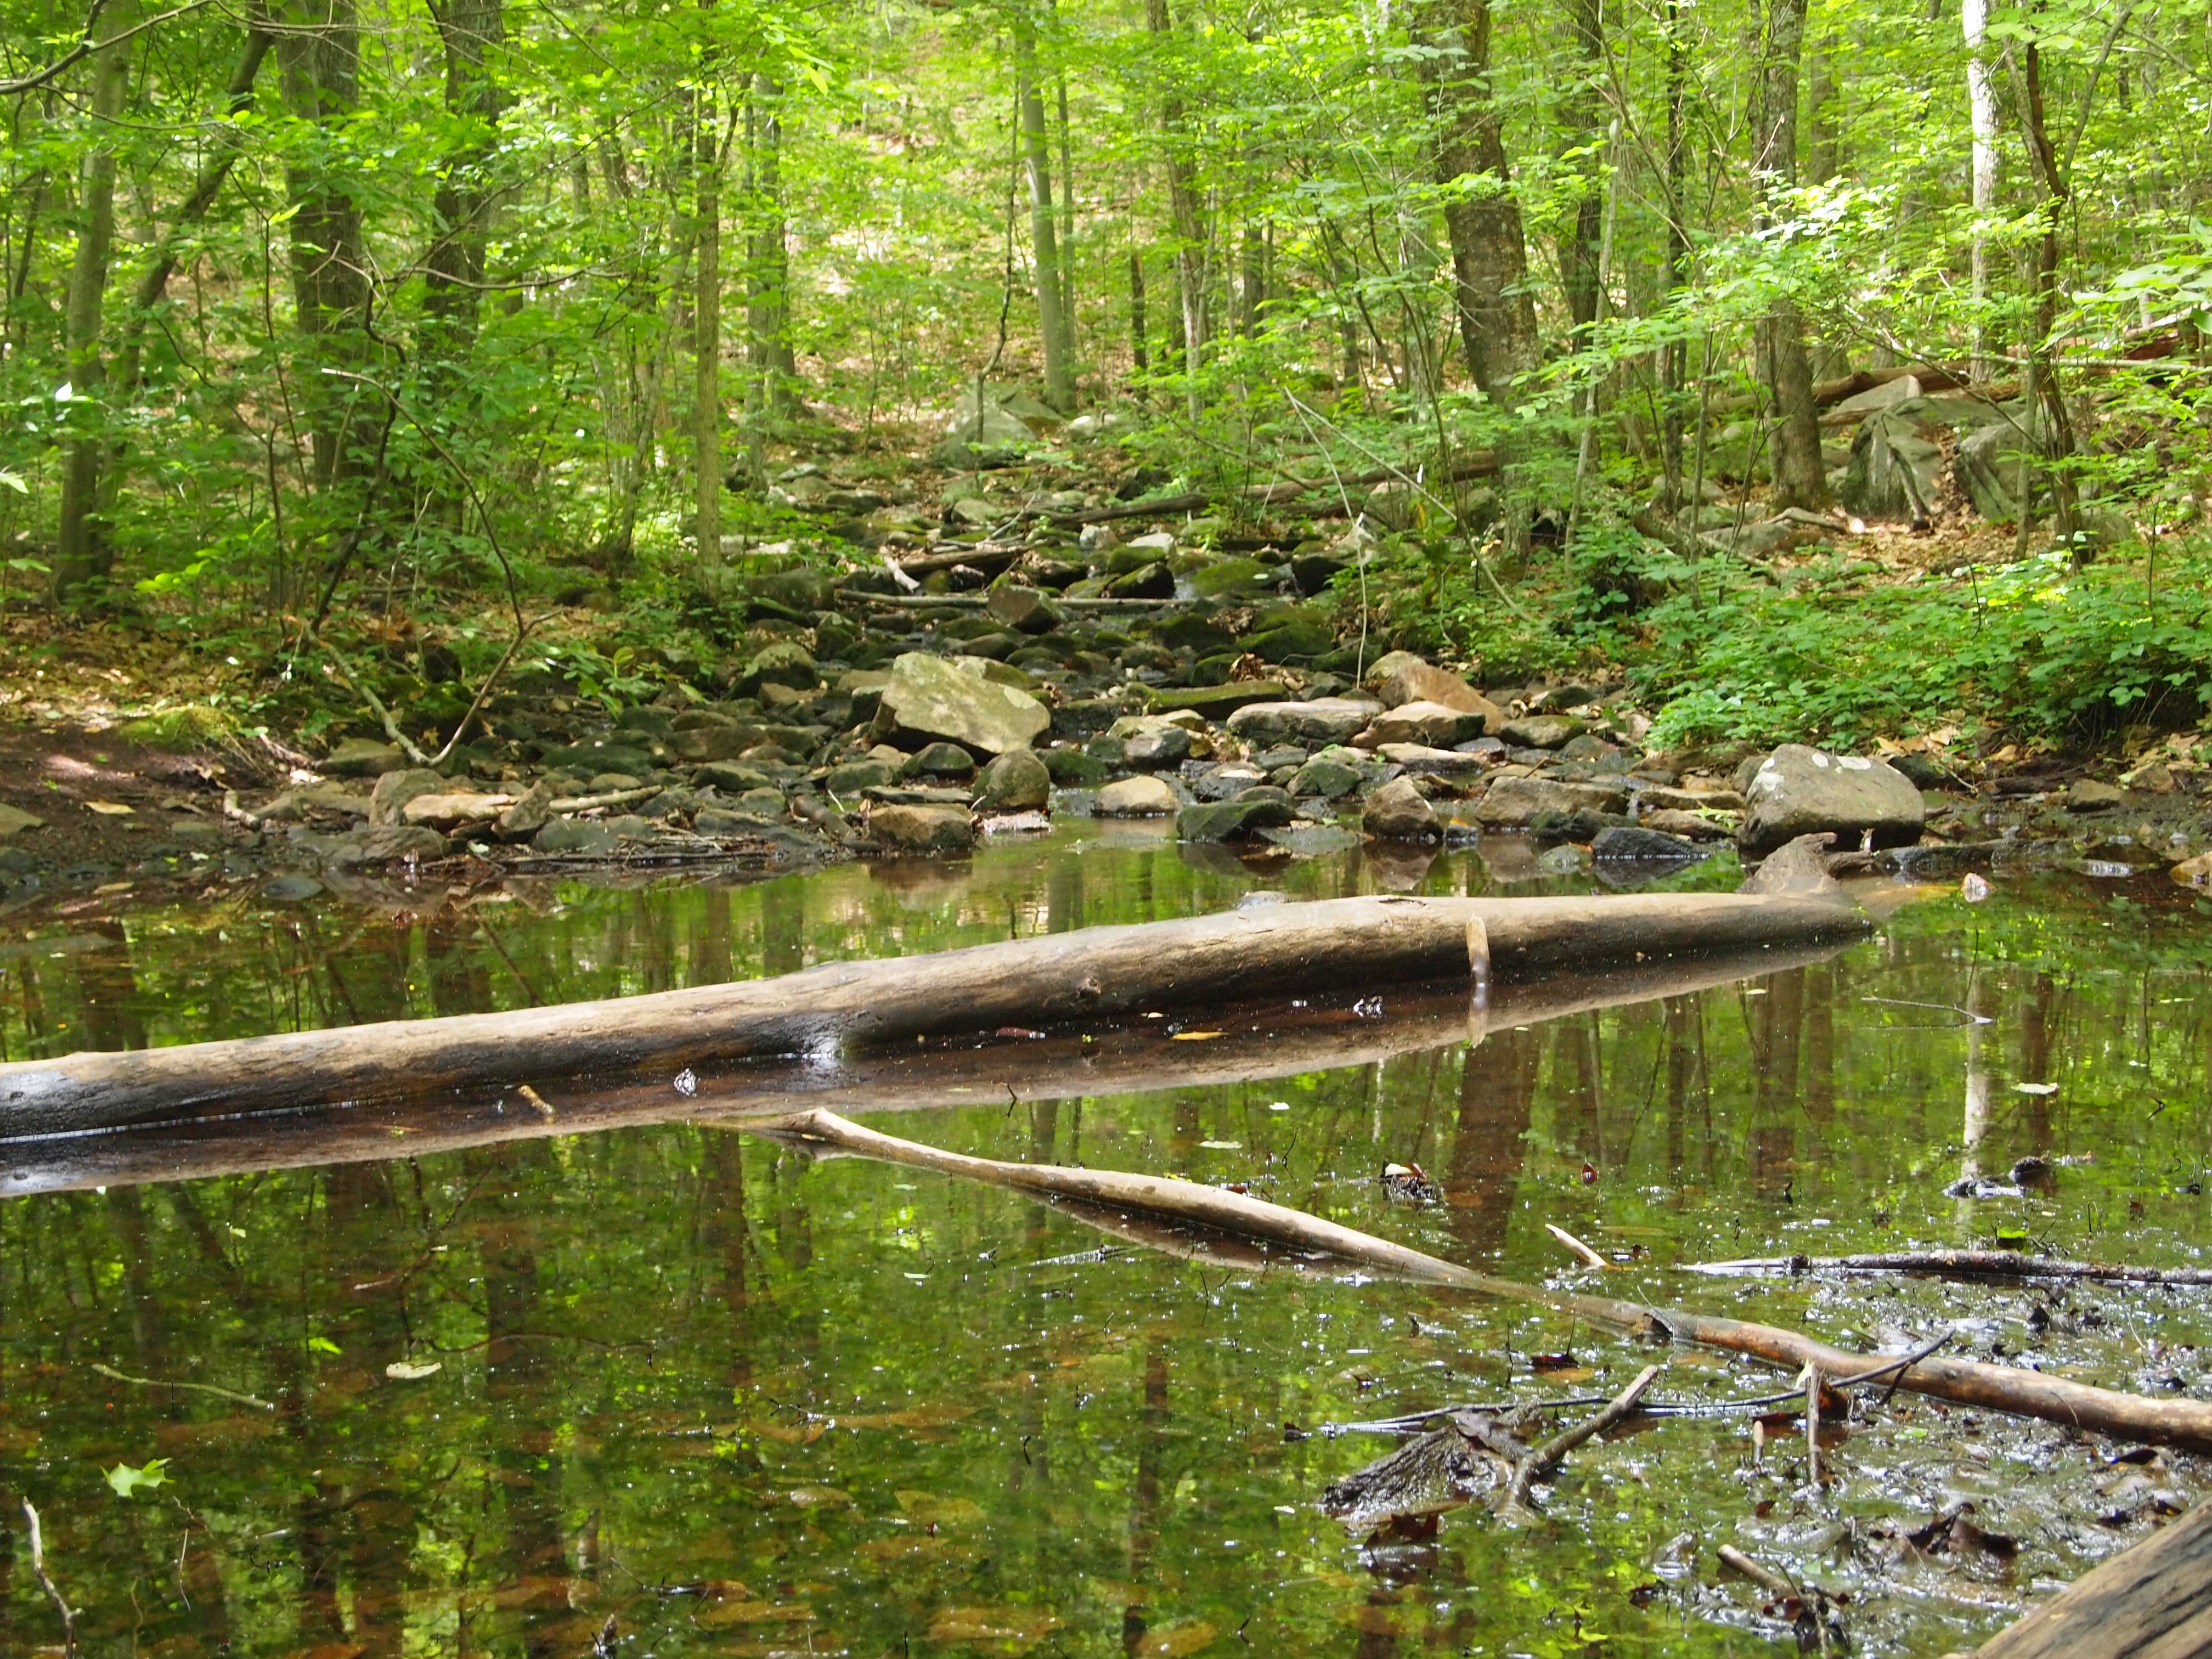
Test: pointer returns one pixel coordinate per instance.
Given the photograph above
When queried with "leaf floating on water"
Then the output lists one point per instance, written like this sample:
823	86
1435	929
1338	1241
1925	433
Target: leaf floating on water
1196	1036
820	1497
409	1371
126	1480
110	809
1223	1146
1185	1636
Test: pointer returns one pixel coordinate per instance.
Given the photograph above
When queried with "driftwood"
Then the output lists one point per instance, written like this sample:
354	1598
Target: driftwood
1296	1235
1053	982
1959	1264
2151	1602
1108	1056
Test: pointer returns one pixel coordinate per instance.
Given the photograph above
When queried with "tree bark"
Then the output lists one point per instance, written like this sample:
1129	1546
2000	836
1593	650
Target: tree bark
1982	118
2044	386
1044	231
470	31
1490	256
774	393
1139	353
1675	359
707	327
1579	128
83	554
1784	364
319	58
1190	234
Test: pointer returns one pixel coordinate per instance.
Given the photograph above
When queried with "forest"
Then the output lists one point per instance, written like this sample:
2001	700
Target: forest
1829	371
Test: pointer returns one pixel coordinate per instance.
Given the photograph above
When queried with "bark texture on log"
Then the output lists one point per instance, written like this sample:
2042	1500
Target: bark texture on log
848	1008
2152	1601
1122	1055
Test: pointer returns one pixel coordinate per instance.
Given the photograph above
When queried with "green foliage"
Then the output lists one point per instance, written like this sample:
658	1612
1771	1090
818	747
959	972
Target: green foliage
182	730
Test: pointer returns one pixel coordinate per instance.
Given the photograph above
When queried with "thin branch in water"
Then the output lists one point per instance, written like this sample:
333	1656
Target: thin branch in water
197	1387
46	1582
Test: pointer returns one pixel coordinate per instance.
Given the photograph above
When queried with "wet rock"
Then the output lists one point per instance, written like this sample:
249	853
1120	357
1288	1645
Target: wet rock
1225	577
1023	609
1665	797
1436	762
853	776
1218	702
528	815
1237	819
2091	795
1796	869
1522	803
722	740
1431	724
362	758
385	844
1801	791
1689	826
941	760
1147	581
1399	811
1291	640
1158	749
1645	845
1325	778
1071	769
937	831
574	837
759	802
928	698
1325	719
596	755
732	777
290	889
1145	797
1539	730
1016	782
446	812
395	789
1225	782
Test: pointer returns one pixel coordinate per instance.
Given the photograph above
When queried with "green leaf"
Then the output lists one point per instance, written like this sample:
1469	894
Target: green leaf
126	1480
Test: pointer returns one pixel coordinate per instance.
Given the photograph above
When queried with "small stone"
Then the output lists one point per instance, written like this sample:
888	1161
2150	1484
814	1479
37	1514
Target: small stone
1158	749
1691	826
1325	778
13	820
942	760
529	814
735	777
1399	811
1016	782
1323	720
853	776
395	843
290	889
1542	730
759	802
2090	795
1145	796
1023	609
446	812
2194	872
934	831
1071	769
1645	845
395	789
2152	778
1236	819
361	757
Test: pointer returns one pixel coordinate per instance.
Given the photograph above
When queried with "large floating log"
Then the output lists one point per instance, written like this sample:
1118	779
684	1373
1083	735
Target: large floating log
840	1009
1294	1234
1109	1056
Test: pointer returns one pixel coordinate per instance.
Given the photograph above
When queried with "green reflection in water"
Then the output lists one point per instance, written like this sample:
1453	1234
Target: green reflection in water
744	1404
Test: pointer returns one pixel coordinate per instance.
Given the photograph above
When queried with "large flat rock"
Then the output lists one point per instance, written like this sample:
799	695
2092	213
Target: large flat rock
1324	719
1802	790
950	700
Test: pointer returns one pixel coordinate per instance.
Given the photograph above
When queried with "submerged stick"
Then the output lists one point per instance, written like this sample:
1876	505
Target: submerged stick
46	1582
2021	1392
1964	1264
1549	1455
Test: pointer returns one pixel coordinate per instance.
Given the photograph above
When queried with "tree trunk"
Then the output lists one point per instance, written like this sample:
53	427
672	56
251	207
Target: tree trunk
1674	361
1799	478
1490	256
706	332
1139	354
83	553
773	393
1578	131
1067	209
461	209
1189	228
1982	117
1044	231
2044	386
318	56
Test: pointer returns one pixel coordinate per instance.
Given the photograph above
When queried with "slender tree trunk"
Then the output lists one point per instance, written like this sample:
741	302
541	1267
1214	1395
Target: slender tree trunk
707	331
1578	131
1827	160
1799	478
1982	117
1140	353
318	56
1044	230
773	393
470	31
83	553
1674	362
1067	205
2044	386
1490	255
1189	227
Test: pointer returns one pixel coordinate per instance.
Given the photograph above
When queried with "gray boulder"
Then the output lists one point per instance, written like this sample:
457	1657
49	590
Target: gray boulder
982	434
1147	796
387	802
1399	811
937	830
1542	730
928	698
1518	803
1894	473
1016	782
1326	777
1434	725
1023	609
1236	819
386	844
1994	467
361	757
1802	790
1641	845
1324	719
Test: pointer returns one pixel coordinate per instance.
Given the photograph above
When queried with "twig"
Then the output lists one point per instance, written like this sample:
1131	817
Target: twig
196	1388
1549	1455
1590	1257
45	1581
1812	1425
1764	1577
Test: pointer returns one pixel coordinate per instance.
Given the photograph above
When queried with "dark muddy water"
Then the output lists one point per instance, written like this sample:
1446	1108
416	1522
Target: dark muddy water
740	1403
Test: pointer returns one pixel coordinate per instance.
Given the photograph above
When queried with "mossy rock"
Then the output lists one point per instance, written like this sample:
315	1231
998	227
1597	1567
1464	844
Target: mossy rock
181	730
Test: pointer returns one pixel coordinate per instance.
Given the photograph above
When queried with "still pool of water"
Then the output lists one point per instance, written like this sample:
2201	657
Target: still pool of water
675	1390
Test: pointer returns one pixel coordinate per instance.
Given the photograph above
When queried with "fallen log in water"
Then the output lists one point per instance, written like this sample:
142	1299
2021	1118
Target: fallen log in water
1115	1056
1958	1264
1294	1234
2152	1601
823	1014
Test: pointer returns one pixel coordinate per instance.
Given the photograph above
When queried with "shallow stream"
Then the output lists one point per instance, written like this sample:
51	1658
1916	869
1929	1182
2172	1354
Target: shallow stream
739	1402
